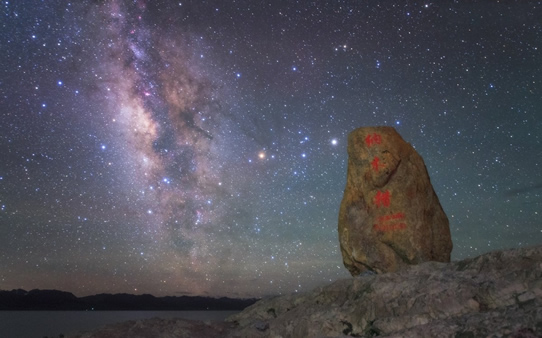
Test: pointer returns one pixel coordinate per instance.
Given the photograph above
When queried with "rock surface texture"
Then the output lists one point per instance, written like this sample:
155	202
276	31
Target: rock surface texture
495	295
390	216
498	294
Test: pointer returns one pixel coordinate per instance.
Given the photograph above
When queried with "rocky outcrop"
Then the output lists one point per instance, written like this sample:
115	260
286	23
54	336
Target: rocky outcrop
390	216
497	294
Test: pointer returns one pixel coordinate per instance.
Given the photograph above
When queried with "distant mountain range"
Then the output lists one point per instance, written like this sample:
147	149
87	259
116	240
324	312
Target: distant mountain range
54	300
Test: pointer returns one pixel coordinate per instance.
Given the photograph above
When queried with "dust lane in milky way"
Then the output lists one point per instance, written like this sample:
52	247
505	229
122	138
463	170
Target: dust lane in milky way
166	117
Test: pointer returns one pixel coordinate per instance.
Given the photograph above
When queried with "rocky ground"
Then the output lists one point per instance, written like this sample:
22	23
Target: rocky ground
498	294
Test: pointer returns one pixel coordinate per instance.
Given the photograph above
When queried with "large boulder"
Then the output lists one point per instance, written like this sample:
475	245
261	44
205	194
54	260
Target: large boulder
390	216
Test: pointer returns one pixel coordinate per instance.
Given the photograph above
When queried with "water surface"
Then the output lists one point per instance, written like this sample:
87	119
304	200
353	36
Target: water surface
38	324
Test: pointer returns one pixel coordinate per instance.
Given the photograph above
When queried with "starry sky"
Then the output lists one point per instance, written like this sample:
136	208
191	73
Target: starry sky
199	147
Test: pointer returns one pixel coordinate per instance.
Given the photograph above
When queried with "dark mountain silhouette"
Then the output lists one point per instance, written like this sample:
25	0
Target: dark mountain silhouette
60	300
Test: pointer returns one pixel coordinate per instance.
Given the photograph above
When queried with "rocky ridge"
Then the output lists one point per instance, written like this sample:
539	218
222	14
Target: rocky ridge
498	294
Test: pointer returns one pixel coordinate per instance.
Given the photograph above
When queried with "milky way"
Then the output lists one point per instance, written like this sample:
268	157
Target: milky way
199	148
167	117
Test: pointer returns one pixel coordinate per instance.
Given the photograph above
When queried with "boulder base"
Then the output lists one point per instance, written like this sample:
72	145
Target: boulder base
390	216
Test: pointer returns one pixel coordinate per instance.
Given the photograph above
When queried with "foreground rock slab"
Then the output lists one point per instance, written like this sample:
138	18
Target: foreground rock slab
497	294
390	216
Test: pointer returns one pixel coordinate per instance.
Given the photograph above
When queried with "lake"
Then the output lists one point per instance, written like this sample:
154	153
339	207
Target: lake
38	324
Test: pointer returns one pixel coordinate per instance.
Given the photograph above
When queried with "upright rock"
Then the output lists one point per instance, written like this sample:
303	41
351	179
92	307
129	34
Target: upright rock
390	215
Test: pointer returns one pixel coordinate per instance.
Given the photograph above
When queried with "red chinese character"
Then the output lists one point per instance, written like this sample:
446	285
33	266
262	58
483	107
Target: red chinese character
382	199
375	163
373	139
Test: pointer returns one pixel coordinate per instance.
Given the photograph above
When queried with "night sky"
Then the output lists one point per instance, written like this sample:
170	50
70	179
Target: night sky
199	147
